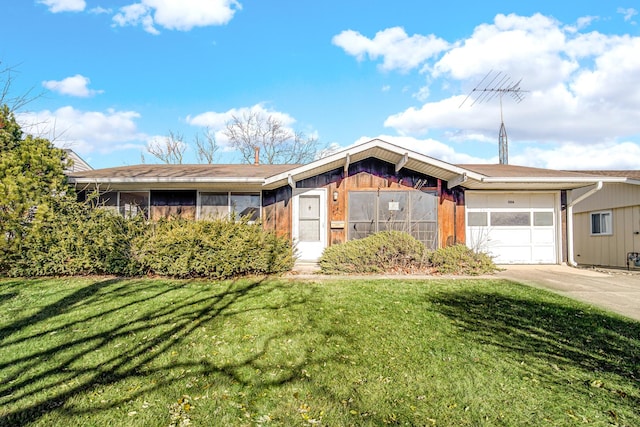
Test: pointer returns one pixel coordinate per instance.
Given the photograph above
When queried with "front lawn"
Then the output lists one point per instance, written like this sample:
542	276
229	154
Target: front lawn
155	352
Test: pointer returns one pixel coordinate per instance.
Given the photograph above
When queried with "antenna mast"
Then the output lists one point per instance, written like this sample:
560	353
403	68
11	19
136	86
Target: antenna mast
497	84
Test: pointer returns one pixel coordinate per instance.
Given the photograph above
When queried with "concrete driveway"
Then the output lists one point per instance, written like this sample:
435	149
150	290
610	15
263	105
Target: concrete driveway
615	290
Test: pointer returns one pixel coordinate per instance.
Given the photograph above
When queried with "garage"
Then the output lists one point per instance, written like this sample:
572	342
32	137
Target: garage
514	228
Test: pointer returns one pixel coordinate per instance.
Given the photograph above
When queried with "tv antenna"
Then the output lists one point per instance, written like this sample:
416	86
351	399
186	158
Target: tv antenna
495	85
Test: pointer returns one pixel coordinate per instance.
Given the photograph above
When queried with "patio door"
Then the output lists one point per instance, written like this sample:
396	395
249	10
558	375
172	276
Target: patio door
310	223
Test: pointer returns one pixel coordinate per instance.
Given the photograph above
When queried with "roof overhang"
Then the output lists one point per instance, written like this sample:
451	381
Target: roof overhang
124	183
536	183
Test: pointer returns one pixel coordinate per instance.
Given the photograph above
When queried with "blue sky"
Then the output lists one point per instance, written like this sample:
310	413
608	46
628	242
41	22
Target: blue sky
118	75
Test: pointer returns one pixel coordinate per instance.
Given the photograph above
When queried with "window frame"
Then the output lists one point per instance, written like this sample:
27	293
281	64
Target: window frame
608	224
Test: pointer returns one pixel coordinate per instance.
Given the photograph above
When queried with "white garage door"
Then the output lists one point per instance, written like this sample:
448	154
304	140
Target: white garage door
514	228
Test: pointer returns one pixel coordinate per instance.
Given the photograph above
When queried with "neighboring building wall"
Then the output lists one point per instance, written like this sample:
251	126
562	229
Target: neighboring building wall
623	201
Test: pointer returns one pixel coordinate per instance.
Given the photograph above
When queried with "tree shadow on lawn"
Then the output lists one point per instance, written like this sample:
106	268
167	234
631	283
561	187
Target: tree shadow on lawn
561	334
47	376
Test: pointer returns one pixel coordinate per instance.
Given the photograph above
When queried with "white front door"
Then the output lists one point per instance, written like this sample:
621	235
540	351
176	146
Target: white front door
310	223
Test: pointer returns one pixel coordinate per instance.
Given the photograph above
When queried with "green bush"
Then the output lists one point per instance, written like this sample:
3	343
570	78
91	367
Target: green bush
398	252
71	238
214	249
459	259
384	252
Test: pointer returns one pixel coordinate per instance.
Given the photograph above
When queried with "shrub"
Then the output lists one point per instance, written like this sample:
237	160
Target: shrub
214	249
459	259
70	238
387	251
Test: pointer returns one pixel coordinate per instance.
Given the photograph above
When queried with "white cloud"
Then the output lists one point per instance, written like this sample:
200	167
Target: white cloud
398	50
628	13
428	147
580	91
173	15
73	86
100	10
56	6
572	156
85	131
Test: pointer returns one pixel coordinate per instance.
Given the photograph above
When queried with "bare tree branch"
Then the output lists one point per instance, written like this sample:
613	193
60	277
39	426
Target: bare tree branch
206	146
170	150
276	143
14	102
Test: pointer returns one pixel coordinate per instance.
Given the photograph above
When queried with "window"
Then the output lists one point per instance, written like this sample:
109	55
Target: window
601	223
477	219
222	205
413	212
542	219
309	218
214	205
134	202
510	219
245	205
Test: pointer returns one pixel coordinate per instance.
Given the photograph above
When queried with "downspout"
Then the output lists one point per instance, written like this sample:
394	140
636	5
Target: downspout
570	205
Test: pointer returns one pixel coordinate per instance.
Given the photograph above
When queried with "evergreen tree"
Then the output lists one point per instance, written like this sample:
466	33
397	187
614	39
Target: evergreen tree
31	176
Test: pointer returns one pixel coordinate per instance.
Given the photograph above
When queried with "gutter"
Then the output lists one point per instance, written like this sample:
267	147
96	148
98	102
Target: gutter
570	206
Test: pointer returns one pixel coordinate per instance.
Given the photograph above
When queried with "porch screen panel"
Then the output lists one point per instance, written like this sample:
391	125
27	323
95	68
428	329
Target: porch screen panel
393	211
214	205
412	212
424	224
309	218
362	214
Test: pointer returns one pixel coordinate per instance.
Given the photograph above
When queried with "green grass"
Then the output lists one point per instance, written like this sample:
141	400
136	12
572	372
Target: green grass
154	352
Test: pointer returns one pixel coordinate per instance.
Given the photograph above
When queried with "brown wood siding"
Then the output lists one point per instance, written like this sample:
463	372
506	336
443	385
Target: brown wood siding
276	211
451	216
367	175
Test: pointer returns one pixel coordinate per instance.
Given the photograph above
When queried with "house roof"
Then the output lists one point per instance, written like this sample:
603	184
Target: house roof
632	176
479	176
174	175
523	177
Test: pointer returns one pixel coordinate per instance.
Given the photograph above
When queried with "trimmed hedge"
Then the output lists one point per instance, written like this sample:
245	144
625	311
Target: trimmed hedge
72	238
214	249
459	259
399	252
384	252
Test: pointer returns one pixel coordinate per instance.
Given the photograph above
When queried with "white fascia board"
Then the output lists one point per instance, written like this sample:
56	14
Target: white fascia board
549	180
195	180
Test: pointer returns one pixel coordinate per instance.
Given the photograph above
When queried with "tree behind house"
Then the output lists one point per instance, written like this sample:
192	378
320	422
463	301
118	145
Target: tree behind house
257	134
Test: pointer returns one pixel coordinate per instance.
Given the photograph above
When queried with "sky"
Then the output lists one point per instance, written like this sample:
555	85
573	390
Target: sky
113	76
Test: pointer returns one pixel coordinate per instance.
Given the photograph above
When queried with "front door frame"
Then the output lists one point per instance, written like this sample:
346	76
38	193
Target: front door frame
306	250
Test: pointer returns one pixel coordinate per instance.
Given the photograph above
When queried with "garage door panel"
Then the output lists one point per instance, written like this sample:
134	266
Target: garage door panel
509	236
515	228
543	236
543	254
511	254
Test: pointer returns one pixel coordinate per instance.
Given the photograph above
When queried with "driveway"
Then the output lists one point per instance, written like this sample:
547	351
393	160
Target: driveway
615	290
